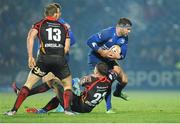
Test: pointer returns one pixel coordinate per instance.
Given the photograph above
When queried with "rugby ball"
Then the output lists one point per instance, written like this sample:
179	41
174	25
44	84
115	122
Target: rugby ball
116	49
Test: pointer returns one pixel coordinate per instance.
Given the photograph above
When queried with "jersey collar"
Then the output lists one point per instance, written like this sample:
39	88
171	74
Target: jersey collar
51	18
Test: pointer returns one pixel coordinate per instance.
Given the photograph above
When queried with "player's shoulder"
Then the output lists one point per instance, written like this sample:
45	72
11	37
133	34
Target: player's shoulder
109	29
38	22
112	75
107	32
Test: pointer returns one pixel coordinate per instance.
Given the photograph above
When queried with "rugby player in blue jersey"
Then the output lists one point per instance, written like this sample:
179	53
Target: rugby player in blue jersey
101	43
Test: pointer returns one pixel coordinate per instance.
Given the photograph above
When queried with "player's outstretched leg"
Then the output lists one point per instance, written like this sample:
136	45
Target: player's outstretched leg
21	97
122	82
118	91
38	89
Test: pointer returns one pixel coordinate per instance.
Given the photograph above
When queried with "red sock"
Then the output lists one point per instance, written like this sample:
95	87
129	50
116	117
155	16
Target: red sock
21	97
67	96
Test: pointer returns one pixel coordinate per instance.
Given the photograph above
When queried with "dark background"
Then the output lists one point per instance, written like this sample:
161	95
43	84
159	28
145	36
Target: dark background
153	58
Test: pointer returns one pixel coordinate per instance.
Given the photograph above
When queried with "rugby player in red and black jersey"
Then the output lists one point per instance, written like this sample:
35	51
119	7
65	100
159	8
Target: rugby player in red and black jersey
55	43
96	86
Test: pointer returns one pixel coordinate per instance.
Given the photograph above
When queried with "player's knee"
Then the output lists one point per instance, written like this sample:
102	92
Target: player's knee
28	85
49	83
67	88
125	79
117	70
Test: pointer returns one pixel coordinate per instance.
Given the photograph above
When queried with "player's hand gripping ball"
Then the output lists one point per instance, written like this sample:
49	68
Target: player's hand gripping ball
116	49
115	52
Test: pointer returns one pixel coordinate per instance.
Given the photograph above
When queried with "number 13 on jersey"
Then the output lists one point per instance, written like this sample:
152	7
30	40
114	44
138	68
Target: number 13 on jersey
54	34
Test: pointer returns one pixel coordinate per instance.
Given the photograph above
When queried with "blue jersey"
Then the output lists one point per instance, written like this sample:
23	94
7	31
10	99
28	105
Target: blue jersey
105	40
71	35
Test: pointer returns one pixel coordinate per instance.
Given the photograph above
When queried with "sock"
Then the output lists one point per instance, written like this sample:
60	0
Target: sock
108	101
67	96
21	97
52	104
60	91
119	88
39	89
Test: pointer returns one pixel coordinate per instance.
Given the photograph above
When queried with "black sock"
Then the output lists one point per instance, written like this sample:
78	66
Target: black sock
119	87
39	89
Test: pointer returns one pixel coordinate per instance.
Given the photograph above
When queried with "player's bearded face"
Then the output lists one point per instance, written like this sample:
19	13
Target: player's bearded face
127	31
123	31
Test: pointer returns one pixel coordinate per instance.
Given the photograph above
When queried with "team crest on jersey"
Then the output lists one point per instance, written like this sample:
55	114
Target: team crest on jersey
110	40
94	44
122	41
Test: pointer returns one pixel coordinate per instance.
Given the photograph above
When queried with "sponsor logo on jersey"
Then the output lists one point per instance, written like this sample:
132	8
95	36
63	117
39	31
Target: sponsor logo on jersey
38	71
53	45
110	40
94	44
101	87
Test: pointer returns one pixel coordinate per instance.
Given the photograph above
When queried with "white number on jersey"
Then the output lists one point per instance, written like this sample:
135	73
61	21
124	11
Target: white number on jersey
98	98
56	36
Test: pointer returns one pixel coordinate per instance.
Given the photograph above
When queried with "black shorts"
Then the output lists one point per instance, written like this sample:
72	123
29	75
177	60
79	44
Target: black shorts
79	106
110	64
51	63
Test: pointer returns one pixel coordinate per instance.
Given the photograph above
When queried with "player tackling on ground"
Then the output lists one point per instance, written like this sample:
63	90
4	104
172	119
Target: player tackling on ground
95	85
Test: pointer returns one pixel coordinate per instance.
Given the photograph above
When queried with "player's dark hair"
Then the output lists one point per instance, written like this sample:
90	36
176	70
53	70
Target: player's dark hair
50	10
102	68
124	22
58	6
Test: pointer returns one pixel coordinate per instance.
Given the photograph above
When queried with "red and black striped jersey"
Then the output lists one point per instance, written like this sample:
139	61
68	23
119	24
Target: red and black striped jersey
52	36
96	88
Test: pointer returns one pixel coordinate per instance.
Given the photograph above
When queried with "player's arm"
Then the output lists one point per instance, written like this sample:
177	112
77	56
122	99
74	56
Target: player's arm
67	45
94	40
85	80
30	43
71	35
67	42
114	56
123	51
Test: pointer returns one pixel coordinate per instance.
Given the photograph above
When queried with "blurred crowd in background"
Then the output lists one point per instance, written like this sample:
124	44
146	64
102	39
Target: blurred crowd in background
154	43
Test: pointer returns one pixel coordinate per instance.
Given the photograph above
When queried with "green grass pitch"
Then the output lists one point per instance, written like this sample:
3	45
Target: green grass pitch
149	106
